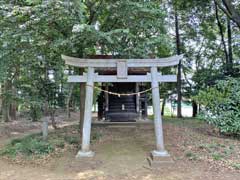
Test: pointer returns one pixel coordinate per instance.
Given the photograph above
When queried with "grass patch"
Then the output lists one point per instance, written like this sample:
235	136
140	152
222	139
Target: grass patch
184	122
58	143
191	156
34	145
236	166
28	146
151	117
71	140
188	122
217	156
97	136
213	147
228	151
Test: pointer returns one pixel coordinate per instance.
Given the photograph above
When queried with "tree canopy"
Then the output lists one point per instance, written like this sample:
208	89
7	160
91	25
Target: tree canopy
34	34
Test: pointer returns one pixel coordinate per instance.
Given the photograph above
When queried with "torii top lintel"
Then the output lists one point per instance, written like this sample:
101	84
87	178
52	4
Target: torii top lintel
122	66
159	62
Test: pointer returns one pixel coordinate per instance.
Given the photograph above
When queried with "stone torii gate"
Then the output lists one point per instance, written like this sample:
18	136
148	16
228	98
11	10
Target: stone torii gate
122	66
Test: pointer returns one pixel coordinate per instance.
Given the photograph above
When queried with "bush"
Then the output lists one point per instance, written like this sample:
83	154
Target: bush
29	145
96	136
72	140
35	112
222	105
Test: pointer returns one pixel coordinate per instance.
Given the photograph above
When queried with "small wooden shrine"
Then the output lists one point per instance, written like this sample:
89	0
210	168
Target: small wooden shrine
122	108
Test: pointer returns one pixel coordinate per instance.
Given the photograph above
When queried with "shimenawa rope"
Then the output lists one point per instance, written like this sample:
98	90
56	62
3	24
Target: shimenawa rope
121	94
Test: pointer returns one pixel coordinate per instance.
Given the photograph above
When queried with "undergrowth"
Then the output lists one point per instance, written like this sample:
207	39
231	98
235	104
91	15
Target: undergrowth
29	145
34	145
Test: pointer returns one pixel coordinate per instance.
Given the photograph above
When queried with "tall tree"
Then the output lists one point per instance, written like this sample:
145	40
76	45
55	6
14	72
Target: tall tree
221	31
230	10
179	74
230	51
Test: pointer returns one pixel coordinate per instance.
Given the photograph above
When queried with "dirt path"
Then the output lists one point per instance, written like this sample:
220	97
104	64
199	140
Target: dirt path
121	154
175	172
21	128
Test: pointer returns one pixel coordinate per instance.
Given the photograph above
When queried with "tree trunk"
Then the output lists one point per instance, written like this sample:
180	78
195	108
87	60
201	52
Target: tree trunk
13	111
1	99
199	108
220	27
13	105
6	101
82	102
230	52
68	100
163	106
195	109
52	118
179	74
231	11
45	121
46	109
5	111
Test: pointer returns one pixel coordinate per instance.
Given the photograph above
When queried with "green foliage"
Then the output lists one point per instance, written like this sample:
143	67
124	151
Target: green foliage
35	111
28	146
34	34
59	144
191	156
236	166
134	36
217	156
72	140
222	105
96	136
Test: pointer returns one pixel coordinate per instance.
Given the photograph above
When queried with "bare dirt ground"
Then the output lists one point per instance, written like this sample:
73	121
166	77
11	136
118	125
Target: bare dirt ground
121	154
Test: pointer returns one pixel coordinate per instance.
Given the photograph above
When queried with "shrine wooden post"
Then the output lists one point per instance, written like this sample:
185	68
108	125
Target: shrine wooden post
122	66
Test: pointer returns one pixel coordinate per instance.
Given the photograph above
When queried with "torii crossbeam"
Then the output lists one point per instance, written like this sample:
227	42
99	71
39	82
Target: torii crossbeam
122	66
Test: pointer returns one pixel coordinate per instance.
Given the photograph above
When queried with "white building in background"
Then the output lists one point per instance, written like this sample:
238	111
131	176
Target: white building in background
171	109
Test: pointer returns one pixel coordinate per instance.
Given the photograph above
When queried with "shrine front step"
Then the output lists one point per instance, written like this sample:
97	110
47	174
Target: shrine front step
122	116
120	127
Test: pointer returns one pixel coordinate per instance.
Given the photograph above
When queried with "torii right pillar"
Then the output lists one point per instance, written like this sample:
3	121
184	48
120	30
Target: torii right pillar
159	155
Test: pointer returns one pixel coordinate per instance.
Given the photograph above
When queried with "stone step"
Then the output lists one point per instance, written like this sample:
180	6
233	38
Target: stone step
120	105
122	102
121	111
158	162
122	126
122	97
122	116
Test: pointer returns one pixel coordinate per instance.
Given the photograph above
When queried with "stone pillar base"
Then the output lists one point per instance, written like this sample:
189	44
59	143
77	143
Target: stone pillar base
156	153
159	159
82	154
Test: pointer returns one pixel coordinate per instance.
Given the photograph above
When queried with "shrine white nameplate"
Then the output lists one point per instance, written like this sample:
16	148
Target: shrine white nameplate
122	70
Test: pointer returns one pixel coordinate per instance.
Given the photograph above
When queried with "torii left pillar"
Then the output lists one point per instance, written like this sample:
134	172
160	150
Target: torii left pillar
86	133
160	149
